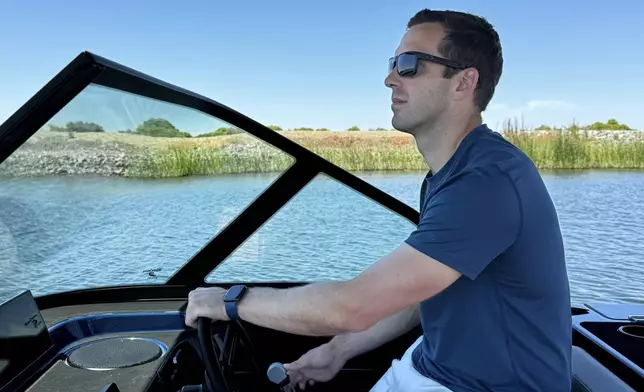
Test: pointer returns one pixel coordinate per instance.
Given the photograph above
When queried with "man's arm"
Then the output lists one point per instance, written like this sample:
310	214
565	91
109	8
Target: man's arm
403	278
350	345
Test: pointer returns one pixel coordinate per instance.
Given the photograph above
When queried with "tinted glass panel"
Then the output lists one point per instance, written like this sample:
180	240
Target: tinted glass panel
116	185
326	232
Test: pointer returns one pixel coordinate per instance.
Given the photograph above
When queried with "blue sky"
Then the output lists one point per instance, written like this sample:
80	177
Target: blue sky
322	64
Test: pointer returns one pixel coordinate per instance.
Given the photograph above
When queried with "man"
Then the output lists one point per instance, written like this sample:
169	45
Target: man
484	272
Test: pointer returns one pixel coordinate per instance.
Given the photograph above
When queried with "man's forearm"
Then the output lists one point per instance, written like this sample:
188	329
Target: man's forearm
352	344
319	309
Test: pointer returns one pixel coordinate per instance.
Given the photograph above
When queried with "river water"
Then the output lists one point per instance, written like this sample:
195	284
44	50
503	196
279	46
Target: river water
62	233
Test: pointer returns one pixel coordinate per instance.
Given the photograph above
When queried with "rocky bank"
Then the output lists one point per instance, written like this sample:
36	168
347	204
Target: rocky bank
60	154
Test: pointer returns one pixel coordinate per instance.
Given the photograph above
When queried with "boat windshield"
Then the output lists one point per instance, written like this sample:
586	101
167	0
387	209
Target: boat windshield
118	189
122	189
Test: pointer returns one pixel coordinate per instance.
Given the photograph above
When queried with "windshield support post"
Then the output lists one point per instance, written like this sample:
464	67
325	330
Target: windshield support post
194	272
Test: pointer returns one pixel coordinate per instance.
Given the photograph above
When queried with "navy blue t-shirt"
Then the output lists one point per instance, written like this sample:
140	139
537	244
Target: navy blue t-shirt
505	324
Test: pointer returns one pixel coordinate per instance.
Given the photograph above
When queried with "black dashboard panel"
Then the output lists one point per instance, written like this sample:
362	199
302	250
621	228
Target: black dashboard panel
24	337
598	329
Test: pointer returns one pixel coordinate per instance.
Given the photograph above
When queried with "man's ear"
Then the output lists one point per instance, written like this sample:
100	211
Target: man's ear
466	82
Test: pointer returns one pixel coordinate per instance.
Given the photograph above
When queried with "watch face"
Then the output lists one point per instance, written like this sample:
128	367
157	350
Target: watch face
234	293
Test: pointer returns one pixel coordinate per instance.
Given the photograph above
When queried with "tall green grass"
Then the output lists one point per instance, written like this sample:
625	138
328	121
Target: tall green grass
372	151
374	159
576	149
177	160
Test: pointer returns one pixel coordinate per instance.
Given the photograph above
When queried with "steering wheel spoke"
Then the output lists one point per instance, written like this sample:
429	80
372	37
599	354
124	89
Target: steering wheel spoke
227	347
214	369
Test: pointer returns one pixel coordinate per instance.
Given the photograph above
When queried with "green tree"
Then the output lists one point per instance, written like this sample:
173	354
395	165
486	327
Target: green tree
159	127
77	126
611	124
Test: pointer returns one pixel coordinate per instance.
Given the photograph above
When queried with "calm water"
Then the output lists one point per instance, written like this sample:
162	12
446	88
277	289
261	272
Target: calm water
69	233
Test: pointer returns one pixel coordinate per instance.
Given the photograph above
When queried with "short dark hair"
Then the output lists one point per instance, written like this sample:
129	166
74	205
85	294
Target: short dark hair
471	41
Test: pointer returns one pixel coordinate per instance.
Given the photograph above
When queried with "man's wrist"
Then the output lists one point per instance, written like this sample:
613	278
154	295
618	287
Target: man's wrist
232	298
224	313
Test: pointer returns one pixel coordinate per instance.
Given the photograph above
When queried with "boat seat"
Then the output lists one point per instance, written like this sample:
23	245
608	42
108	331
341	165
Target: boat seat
589	375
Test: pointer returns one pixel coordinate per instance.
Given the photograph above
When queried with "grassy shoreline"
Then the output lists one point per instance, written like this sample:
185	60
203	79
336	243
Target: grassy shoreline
138	156
381	151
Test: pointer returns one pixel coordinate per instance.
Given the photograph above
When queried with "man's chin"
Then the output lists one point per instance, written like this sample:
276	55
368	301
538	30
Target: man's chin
400	125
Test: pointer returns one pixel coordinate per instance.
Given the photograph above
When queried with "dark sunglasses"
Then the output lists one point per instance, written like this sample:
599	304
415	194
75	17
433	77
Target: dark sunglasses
407	62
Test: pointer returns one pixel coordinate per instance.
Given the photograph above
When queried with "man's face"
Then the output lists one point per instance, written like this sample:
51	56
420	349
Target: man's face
419	100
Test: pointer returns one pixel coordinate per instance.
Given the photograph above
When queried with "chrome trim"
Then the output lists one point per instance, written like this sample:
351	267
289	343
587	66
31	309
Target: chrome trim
67	350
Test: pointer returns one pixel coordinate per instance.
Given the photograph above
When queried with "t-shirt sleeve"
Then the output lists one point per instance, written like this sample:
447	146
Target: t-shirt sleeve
470	221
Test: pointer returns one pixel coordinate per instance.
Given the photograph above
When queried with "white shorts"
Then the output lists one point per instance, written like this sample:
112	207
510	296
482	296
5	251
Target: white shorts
403	377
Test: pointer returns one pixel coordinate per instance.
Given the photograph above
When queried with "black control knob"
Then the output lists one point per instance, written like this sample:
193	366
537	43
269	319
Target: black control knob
277	375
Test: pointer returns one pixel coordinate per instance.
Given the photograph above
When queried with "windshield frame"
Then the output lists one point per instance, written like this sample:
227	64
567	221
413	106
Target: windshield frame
88	68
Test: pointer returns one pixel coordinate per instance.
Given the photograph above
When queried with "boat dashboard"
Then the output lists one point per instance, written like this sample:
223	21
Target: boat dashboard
126	347
143	346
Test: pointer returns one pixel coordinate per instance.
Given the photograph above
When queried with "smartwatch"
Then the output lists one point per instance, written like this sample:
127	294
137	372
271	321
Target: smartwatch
232	298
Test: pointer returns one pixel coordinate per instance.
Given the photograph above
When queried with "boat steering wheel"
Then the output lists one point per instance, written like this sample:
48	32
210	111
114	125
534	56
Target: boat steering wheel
214	370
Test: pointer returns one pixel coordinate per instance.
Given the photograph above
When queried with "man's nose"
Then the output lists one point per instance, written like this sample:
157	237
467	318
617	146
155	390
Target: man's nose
392	80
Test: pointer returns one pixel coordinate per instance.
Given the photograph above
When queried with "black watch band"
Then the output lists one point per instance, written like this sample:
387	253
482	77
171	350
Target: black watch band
232	298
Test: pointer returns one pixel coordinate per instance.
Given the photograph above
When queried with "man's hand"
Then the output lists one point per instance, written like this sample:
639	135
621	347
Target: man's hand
319	364
206	302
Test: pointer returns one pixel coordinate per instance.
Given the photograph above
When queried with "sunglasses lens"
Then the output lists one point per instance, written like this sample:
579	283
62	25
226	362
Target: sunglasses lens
392	65
407	64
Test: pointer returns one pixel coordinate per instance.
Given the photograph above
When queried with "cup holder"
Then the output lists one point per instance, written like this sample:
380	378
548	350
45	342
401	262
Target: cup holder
633	330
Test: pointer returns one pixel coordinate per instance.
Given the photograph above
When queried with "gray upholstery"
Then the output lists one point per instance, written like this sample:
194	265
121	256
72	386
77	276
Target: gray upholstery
588	375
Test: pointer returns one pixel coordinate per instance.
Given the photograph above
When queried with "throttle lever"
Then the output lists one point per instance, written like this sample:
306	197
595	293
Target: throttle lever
277	375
